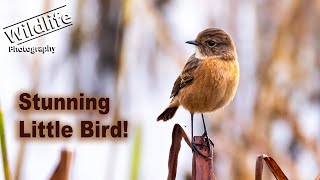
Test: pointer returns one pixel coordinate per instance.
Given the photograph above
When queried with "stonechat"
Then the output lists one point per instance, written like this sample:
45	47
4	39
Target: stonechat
209	79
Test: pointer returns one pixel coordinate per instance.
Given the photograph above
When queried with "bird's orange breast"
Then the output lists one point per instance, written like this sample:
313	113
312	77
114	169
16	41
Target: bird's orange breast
214	86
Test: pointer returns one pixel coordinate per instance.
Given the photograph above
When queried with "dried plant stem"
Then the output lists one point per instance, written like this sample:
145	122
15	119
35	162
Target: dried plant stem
62	171
272	165
178	133
202	168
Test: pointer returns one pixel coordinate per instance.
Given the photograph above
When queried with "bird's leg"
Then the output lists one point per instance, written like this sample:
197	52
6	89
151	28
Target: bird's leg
193	144
205	134
192	126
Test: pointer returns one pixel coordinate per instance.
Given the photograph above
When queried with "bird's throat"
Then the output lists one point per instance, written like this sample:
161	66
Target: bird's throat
199	55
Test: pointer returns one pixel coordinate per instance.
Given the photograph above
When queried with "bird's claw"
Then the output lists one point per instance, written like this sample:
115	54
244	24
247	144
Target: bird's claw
208	140
195	149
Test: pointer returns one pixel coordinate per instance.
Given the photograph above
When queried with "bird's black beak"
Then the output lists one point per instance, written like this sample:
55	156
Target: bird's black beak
194	42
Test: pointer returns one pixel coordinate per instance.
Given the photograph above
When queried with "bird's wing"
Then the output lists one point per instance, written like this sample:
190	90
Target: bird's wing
186	77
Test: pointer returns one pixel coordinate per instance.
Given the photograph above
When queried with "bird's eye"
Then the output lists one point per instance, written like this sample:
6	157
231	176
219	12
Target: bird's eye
211	43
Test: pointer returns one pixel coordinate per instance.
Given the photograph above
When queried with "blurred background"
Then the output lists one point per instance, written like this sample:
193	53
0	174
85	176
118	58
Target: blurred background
133	50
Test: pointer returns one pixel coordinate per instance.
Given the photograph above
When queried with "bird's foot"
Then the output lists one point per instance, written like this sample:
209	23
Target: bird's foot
208	141
195	149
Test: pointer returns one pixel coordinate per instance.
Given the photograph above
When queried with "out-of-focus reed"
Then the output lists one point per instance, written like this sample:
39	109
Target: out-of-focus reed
6	167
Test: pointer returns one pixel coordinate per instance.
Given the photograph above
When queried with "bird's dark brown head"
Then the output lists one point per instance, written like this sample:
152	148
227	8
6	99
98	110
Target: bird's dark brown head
216	43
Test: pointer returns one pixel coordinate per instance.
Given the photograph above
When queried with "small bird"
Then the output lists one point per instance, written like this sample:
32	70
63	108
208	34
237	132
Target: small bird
209	79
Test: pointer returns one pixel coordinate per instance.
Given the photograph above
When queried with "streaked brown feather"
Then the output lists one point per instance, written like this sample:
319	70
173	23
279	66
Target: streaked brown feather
186	77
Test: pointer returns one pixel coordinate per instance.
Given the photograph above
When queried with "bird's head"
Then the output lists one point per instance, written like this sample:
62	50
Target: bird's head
214	43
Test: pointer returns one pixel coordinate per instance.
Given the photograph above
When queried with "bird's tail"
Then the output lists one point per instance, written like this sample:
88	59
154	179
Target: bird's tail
168	113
